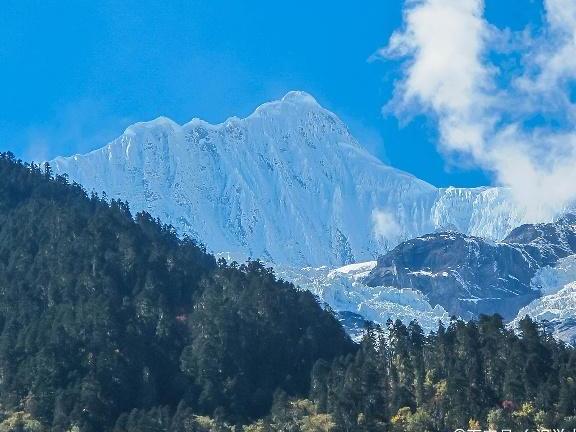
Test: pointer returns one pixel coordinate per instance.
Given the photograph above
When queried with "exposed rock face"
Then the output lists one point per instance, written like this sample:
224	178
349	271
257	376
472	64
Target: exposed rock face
469	276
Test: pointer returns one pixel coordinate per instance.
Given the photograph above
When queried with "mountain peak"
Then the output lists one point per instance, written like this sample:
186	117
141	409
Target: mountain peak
299	97
292	102
288	184
158	122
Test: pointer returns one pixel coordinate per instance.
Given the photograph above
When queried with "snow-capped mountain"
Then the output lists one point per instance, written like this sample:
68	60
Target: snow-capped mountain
288	184
435	276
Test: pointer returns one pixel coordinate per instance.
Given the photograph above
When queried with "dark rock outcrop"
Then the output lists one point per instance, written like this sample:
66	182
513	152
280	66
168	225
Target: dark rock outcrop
468	275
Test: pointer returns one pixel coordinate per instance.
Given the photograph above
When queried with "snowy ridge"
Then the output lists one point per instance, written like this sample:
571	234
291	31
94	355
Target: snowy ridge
556	311
557	306
551	279
288	184
483	212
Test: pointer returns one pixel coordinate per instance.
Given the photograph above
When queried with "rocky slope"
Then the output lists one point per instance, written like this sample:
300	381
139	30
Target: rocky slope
469	275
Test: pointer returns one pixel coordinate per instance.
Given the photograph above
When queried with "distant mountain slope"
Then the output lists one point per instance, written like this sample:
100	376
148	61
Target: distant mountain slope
343	289
556	309
469	275
557	312
288	184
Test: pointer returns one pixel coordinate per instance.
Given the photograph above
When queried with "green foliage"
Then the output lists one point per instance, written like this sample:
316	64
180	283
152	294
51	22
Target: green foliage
407	421
110	319
293	415
475	375
21	422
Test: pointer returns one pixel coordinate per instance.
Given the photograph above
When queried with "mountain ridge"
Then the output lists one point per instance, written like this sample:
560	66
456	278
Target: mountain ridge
287	184
470	276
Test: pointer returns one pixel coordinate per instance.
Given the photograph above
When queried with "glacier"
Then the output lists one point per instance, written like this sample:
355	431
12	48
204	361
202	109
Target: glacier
556	309
288	184
344	291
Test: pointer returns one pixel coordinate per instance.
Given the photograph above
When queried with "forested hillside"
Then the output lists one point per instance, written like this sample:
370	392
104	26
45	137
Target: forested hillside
475	375
103	313
111	323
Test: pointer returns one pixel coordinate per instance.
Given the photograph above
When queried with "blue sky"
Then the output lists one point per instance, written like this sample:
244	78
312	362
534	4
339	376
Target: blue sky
74	74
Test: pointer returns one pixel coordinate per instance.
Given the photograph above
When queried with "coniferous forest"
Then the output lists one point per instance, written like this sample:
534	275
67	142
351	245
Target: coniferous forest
111	323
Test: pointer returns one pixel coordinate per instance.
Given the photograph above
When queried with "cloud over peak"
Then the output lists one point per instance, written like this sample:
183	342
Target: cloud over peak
450	72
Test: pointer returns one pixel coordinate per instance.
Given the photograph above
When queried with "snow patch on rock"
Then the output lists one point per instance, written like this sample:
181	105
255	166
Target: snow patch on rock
556	311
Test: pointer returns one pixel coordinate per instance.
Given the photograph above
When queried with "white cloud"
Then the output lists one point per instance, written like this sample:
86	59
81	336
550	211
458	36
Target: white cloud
385	225
76	127
444	41
445	71
551	61
446	45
